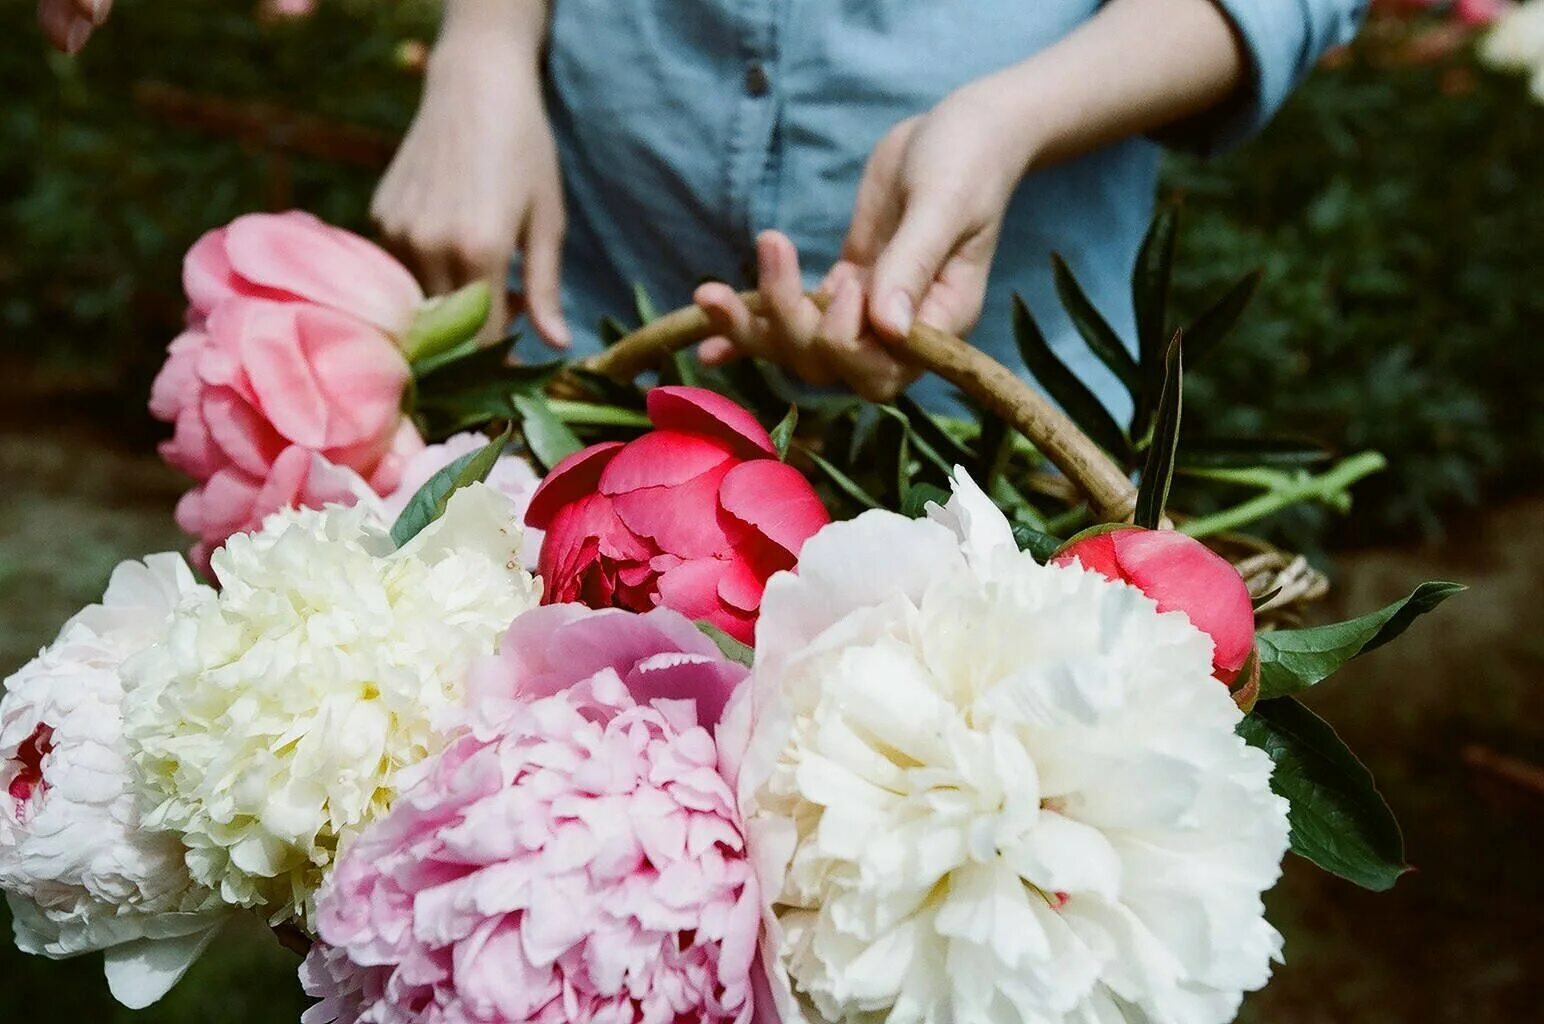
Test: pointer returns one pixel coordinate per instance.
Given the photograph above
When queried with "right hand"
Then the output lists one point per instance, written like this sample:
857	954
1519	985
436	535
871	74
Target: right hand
476	178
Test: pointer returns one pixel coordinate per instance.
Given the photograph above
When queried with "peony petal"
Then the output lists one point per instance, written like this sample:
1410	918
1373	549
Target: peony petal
572	478
699	411
207	277
691	588
242	434
684	520
325	265
664	458
361	373
267	339
777	500
191	448
177	382
140	973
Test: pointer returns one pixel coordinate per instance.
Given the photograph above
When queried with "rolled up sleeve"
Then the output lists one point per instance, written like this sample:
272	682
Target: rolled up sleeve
1283	41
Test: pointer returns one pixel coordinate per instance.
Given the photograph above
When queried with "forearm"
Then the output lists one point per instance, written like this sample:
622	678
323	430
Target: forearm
495	25
1135	67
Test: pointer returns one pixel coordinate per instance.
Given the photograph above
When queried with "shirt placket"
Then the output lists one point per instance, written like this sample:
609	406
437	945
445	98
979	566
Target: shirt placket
752	158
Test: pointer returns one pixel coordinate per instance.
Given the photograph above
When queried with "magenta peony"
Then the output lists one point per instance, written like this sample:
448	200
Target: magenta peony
695	515
289	372
1182	575
575	856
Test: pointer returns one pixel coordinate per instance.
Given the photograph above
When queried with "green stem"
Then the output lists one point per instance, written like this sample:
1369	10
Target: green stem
593	414
1327	487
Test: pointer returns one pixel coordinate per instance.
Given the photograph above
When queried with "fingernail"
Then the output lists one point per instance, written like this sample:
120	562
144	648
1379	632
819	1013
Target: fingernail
898	312
80	31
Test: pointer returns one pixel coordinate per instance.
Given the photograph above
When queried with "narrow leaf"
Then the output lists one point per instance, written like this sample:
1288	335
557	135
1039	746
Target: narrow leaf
428	502
844	483
1150	298
612	330
782	434
445	321
1153	493
1038	543
643	306
918	498
1096	331
1338	818
728	646
1212	326
548	437
1247	452
931	432
1292	660
480	382
1063	385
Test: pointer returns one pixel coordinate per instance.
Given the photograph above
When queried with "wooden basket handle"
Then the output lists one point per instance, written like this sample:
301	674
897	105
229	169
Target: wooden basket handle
1108	489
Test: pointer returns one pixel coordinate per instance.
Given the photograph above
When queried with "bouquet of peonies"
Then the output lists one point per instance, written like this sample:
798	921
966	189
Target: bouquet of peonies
720	757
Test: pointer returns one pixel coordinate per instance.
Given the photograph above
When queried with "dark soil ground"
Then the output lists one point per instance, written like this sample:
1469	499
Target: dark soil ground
1460	939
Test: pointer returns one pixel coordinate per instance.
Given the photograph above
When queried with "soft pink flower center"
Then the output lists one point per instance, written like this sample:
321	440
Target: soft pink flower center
29	759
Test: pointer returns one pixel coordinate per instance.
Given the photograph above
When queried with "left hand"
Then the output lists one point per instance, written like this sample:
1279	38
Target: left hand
69	23
925	226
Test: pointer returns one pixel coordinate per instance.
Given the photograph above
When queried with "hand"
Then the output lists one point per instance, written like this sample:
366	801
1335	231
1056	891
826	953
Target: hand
477	178
925	226
69	23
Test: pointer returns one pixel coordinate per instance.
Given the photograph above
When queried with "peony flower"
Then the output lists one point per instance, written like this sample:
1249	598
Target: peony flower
983	789
512	476
289	372
81	871
271	725
1182	575
575	857
693	516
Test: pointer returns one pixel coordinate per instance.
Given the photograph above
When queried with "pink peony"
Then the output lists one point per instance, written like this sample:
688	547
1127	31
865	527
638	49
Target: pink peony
289	371
1182	575
576	856
695	515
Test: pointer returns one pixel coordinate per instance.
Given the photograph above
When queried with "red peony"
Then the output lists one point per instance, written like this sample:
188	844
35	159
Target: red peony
694	516
1182	575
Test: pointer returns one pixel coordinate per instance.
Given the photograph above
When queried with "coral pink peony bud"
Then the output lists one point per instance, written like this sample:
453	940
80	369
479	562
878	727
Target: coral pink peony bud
1182	575
288	382
694	516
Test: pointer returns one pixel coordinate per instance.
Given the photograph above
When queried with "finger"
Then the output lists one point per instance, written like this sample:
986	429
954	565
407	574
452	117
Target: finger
953	301
792	316
907	267
866	365
497	324
95	10
732	320
543	270
65	28
877	208
717	351
839	274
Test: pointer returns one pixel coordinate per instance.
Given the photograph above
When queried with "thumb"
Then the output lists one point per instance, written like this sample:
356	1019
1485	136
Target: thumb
908	265
543	268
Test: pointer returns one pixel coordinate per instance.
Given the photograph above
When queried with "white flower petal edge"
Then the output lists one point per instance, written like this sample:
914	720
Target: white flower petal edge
273	723
80	870
982	790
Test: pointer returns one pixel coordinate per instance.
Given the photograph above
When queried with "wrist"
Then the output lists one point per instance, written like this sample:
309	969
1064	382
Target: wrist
482	30
1016	130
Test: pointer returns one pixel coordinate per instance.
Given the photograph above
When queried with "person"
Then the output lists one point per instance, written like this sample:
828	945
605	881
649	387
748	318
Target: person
910	158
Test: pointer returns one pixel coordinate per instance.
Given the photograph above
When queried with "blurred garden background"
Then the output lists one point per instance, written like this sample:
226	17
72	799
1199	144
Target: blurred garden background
1396	208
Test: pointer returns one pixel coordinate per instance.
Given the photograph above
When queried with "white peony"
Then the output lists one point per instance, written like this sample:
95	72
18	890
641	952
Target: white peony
984	790
1516	43
273	723
80	871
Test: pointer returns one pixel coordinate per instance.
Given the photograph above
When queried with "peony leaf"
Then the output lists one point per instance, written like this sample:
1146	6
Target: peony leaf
1212	326
782	434
1158	474
1096	331
471	384
1042	546
446	321
1292	660
844	483
1338	818
728	646
1274	451
1063	385
428	503
548	437
1150	298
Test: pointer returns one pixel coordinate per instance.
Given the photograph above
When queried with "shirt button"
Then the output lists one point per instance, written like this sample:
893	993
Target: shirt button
756	81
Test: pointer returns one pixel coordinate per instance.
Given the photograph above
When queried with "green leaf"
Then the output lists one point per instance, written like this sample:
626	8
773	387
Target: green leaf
612	330
1212	326
1158	474
593	414
1292	660
931	433
917	499
1063	385
428	502
844	483
548	438
728	646
1150	298
1247	452
643	306
782	434
478	384
1096	331
1038	543
1338	819
446	321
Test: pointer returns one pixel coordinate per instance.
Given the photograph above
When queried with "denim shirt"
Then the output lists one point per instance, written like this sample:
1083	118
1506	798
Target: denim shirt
685	127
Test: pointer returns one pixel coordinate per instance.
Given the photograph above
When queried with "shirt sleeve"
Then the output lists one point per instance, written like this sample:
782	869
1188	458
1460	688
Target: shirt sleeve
1283	41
